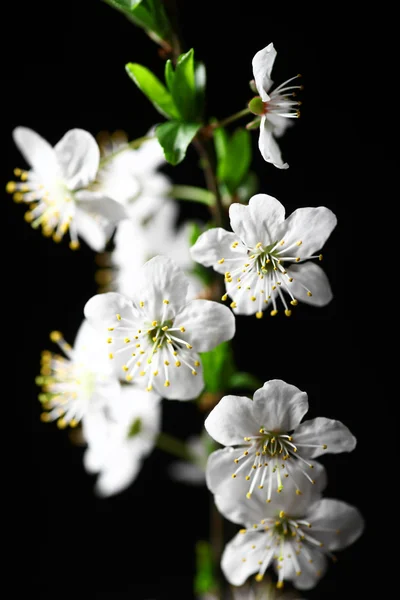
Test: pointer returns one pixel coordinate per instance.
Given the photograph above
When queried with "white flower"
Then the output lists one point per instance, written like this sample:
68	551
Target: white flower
130	176
135	244
266	590
266	441
295	534
156	335
276	106
56	185
79	384
119	436
265	255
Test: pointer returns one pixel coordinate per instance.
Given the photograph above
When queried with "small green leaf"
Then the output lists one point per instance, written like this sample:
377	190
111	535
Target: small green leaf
236	162
150	15
175	137
221	142
184	87
244	381
152	87
218	367
204	581
169	74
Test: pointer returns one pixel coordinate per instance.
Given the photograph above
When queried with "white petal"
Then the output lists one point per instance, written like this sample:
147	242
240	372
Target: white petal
322	431
278	124
187	473
262	63
312	277
216	244
243	297
279	406
38	153
78	156
125	468
95	204
312	226
101	310
158	280
345	520
232	420
183	385
235	569
268	146
311	573
94	230
260	221
207	324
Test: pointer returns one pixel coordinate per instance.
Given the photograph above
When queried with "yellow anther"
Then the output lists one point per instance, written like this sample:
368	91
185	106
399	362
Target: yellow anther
279	585
324	446
189	347
248	495
247	477
111	355
45	417
236	460
18	197
320	257
246	264
288	312
234	476
294	302
233	305
309	294
118	316
110	328
222	260
166	362
259	314
196	363
154	338
178	363
28	216
167	383
259	245
133	354
137	345
74	244
149	388
62	423
273	313
281	514
182	329
73	423
166	301
224	298
127	340
56	237
260	487
129	378
125	368
298	259
194	372
299	243
253	298
282	242
154	323
290	279
155	373
11	187
142	373
164	328
273	287
141	304
259	577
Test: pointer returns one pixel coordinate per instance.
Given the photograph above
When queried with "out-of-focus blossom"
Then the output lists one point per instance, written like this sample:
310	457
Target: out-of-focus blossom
155	336
194	473
119	436
56	188
276	107
267	444
295	534
266	254
265	590
79	383
131	177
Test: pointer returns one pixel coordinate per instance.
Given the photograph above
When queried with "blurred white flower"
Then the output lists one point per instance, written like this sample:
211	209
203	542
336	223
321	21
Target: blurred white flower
119	436
194	473
135	244
265	255
275	107
156	335
295	534
130	176
74	386
56	187
266	442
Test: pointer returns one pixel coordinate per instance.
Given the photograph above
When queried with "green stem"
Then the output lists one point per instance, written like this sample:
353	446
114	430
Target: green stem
170	444
211	180
231	119
130	146
193	194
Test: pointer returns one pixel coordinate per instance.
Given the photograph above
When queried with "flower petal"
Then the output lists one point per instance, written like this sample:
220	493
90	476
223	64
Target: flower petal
37	152
262	63
183	385
78	156
232	420
260	221
279	406
268	145
95	203
310	276
344	519
312	226
216	244
94	230
311	572
243	296
206	324
240	559
161	279
102	309
322	431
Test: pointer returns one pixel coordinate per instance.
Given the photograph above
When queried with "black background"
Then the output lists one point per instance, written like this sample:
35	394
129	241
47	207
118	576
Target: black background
63	67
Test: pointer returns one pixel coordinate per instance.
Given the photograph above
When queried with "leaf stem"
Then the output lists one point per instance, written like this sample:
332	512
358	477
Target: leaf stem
172	445
193	194
130	146
231	119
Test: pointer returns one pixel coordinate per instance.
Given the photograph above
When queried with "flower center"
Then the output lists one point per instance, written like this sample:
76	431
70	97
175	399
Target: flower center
271	454
67	386
151	346
281	103
264	274
51	207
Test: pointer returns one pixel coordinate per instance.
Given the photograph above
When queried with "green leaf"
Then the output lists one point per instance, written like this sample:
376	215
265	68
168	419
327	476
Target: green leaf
204	581
175	137
221	142
244	381
236	162
148	14
218	368
184	87
169	74
152	87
